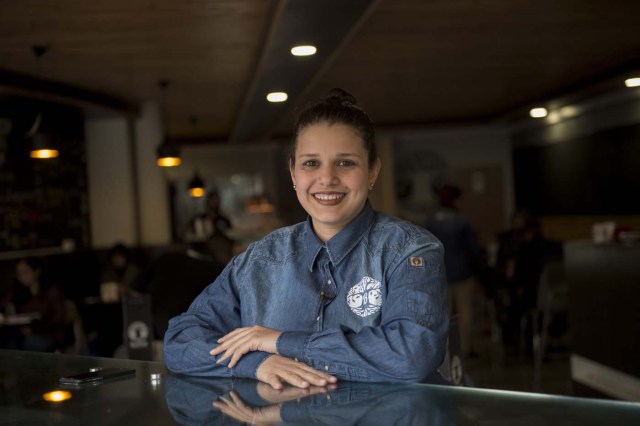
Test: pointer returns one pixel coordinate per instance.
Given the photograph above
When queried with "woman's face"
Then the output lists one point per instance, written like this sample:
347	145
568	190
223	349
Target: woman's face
25	274
332	177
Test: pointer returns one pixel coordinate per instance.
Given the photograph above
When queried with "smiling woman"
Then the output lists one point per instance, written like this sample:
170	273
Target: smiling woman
349	294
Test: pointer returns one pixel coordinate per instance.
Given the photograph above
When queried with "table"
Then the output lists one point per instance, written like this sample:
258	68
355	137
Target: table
172	399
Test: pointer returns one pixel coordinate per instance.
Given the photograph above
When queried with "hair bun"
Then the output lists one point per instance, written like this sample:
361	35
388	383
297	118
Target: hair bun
340	96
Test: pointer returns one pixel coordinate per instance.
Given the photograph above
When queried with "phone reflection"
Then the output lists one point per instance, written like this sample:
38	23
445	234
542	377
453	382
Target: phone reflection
207	401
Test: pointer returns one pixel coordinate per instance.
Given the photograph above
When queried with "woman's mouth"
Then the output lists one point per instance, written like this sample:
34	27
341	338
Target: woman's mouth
329	198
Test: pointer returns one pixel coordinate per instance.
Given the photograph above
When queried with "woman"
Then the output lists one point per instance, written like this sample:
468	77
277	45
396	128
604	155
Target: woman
350	293
34	295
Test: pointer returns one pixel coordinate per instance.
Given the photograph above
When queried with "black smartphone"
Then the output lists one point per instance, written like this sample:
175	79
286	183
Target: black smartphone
97	376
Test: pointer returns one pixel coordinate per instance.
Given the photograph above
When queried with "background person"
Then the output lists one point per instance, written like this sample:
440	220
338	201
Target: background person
462	252
34	293
350	293
210	222
121	269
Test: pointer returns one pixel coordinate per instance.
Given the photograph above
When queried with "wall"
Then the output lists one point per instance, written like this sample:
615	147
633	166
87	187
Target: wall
112	205
153	196
128	192
581	164
476	158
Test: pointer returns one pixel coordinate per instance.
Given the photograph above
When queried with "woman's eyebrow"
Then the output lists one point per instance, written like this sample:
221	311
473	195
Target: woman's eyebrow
339	154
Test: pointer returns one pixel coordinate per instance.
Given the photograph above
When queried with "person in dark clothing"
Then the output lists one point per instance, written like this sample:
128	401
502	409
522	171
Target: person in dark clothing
209	223
461	252
121	269
43	299
522	252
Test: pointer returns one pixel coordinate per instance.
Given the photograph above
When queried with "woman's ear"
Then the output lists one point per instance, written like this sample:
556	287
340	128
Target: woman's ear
375	170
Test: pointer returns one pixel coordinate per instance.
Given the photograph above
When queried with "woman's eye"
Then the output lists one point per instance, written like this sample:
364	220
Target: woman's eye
346	163
310	163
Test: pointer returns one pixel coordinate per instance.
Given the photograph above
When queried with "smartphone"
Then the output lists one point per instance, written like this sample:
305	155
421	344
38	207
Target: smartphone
97	376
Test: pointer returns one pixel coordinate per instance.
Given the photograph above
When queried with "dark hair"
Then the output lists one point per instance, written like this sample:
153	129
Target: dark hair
339	107
33	262
121	249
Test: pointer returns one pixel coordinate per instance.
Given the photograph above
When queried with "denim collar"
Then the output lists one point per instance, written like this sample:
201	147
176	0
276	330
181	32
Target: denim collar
343	242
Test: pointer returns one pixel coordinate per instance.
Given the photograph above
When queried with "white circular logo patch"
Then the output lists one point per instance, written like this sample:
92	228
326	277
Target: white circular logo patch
365	298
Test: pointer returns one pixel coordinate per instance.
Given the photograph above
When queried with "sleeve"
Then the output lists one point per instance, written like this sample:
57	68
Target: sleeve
409	343
191	335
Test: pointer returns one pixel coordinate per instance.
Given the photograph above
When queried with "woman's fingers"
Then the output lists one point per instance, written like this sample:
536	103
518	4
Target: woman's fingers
242	340
293	372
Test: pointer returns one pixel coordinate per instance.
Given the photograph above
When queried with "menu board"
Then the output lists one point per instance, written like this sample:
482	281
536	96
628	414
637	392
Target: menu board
44	202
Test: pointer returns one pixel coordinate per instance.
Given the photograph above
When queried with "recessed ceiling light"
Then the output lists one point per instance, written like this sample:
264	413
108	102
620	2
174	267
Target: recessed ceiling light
306	50
277	97
538	112
632	82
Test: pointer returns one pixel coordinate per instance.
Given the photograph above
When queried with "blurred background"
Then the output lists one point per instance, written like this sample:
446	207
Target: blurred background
530	109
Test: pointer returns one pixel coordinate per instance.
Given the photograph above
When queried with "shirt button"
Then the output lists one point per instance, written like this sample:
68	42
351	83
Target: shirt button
322	293
328	281
318	318
422	322
326	368
295	359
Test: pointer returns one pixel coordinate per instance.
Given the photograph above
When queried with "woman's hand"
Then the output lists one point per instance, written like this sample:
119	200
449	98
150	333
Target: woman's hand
288	393
246	339
239	410
278	369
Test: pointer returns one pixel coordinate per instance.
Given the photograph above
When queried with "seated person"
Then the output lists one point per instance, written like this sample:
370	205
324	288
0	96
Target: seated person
121	270
349	294
33	294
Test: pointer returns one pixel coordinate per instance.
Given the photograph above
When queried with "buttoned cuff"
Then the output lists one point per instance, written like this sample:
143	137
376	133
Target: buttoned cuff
248	365
293	344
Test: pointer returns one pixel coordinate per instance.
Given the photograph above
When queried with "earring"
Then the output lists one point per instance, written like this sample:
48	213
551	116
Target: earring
294	187
370	187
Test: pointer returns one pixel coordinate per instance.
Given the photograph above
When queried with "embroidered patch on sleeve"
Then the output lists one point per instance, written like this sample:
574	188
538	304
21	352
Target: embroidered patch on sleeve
416	262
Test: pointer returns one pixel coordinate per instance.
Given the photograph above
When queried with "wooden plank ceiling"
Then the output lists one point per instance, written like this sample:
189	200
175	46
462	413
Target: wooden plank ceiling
409	62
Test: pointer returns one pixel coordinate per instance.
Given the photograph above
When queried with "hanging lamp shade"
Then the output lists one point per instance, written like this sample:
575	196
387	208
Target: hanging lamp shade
43	147
168	155
196	186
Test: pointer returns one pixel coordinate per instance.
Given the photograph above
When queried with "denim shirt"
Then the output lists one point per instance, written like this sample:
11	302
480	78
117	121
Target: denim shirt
369	305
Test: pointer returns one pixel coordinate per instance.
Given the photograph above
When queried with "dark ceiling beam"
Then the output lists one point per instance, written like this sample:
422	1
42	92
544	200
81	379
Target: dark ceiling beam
12	83
324	24
582	89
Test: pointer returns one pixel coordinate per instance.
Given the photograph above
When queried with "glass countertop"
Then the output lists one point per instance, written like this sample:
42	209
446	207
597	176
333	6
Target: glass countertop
155	397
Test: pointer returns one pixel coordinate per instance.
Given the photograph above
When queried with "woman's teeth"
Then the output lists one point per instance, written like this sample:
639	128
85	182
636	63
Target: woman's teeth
327	197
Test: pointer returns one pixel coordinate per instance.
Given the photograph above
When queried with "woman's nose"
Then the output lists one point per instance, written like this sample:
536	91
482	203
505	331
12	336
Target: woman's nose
327	176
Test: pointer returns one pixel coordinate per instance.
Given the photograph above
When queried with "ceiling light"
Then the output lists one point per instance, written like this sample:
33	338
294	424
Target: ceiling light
43	147
277	97
538	112
303	50
196	186
632	82
168	156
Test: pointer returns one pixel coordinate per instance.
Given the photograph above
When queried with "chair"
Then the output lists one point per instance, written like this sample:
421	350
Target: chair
553	290
77	339
452	368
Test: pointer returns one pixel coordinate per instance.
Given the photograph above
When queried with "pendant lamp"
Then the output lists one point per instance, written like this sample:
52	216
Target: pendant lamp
43	145
196	186
168	153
